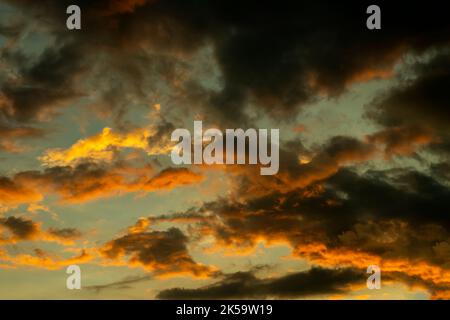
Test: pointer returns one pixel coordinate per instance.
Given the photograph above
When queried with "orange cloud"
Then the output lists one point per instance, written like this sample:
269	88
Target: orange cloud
21	229
88	181
169	179
371	74
102	147
238	230
43	260
13	193
401	140
321	255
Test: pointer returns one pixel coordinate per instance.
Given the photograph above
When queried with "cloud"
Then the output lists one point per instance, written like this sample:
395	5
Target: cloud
18	229
40	87
420	102
441	171
265	58
301	167
316	281
22	229
296	69
170	178
127	6
65	235
90	181
13	193
402	140
337	152
10	135
394	219
43	260
164	253
121	284
103	146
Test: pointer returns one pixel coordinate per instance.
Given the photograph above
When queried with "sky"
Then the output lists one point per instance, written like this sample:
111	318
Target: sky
86	176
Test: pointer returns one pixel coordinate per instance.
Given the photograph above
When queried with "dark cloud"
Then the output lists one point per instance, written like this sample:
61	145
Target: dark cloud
20	228
12	30
40	87
65	234
441	148
23	229
402	140
278	55
163	252
422	101
345	219
441	171
323	161
405	194
240	285
162	134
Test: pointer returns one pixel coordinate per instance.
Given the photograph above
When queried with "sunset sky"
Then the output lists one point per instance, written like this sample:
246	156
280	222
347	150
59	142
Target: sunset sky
86	176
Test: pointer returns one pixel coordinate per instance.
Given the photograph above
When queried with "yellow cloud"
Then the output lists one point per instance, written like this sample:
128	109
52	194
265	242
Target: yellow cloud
101	147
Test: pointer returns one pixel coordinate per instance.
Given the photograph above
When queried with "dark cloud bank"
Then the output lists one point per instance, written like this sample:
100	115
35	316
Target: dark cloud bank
246	285
277	54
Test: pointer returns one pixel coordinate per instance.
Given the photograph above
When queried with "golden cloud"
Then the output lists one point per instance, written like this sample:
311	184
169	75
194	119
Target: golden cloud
43	261
102	147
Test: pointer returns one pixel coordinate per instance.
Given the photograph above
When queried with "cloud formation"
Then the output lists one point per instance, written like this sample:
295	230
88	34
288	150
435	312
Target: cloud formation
22	229
9	137
90	181
296	69
316	281
341	204
164	253
103	146
391	219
